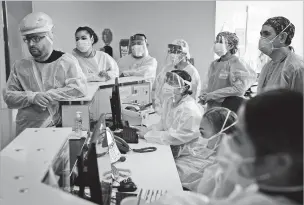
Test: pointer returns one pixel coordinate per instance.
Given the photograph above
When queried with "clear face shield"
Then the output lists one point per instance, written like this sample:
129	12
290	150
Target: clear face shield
175	54
175	81
174	85
138	45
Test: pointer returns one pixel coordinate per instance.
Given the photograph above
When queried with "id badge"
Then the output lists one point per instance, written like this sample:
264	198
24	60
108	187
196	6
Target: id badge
223	75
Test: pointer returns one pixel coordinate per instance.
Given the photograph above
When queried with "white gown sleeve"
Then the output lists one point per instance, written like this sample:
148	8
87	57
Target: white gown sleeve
147	70
14	95
185	130
241	78
112	67
75	82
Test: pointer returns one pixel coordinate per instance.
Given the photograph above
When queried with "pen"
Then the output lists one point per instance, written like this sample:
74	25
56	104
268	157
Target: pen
139	197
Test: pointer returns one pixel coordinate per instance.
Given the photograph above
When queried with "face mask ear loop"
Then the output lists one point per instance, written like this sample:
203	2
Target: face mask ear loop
280	32
224	124
223	130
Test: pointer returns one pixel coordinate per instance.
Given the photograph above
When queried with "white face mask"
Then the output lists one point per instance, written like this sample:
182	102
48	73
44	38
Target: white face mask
138	50
220	49
206	149
266	45
233	162
83	45
175	58
168	89
230	163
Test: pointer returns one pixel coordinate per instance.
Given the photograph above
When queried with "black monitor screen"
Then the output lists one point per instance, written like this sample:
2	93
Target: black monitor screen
116	107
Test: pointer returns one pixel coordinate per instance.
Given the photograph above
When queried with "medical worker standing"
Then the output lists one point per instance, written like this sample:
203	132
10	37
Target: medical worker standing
96	65
227	76
285	69
179	55
36	84
139	62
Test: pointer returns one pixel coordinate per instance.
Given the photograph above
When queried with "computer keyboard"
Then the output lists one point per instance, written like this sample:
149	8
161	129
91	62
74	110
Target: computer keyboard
128	134
121	195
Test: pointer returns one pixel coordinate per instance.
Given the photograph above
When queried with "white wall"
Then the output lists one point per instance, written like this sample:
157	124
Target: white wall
162	22
16	10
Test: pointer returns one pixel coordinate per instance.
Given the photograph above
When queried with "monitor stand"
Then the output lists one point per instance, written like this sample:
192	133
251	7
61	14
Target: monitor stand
110	124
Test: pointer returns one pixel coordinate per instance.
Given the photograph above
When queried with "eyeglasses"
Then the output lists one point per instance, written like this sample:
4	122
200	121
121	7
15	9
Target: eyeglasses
34	39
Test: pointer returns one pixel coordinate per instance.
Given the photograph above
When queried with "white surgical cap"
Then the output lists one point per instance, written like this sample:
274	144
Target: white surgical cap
36	22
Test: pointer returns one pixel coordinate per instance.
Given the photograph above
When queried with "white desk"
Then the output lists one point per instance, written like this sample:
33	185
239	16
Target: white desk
32	165
132	89
155	170
152	170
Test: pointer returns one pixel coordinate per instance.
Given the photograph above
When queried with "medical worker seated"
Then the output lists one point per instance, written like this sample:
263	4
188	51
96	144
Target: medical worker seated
36	84
199	155
228	75
181	116
139	62
285	69
96	65
179	56
263	158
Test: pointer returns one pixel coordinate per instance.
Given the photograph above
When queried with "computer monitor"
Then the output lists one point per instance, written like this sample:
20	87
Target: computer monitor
88	174
116	107
96	132
93	179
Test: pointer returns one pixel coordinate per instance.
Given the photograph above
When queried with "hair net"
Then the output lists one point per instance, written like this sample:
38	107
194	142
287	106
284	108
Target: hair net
184	45
36	22
280	23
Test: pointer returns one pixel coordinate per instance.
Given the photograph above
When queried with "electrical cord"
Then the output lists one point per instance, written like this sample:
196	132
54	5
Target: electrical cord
145	149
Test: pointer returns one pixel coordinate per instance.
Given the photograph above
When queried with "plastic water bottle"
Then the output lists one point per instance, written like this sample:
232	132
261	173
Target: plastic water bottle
78	124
